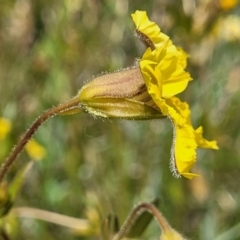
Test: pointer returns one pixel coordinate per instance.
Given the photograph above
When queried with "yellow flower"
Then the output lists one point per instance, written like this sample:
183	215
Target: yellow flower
228	4
5	127
148	91
35	150
163	69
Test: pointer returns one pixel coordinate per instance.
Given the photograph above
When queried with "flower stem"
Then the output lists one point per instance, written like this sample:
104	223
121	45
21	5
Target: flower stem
65	107
134	215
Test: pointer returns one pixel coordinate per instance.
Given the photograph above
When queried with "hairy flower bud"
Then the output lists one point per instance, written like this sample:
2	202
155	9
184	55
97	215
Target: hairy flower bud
121	94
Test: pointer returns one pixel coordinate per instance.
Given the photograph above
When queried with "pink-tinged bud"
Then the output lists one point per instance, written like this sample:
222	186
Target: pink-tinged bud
121	94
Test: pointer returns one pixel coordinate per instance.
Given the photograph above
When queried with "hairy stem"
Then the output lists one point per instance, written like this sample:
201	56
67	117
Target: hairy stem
146	40
134	215
70	105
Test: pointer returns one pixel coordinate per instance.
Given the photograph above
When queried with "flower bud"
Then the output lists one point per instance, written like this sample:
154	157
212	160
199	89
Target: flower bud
171	234
121	94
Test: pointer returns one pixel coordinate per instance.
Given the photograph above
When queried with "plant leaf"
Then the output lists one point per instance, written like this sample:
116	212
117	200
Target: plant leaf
141	223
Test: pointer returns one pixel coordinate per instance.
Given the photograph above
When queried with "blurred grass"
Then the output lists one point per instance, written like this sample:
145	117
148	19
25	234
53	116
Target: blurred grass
49	49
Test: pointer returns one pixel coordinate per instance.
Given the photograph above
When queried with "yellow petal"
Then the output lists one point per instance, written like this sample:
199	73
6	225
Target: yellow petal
5	127
35	150
164	69
183	150
181	108
203	143
164	66
228	4
149	29
186	139
175	78
183	153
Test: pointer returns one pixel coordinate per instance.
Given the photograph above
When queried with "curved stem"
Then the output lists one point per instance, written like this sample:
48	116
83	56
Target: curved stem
65	107
134	215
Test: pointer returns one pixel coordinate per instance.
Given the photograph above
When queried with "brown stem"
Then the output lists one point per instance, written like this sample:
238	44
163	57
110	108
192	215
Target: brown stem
145	39
134	215
72	104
